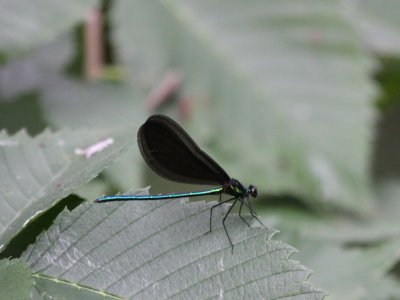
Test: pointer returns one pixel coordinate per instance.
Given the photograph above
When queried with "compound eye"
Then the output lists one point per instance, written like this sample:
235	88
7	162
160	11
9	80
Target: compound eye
253	191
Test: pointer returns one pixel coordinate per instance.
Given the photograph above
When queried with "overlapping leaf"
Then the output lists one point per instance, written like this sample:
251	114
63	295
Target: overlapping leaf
353	274
378	22
28	24
36	172
282	85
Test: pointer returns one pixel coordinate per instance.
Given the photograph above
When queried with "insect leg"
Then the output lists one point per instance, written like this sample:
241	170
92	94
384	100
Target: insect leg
253	214
218	204
223	221
240	212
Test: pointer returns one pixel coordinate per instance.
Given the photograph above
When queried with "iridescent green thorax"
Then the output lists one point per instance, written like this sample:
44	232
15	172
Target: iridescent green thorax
235	188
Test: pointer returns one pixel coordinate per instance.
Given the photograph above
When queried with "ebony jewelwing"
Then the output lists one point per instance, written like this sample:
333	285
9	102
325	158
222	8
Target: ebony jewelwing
172	154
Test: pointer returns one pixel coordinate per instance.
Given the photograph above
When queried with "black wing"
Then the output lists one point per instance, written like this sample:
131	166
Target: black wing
172	154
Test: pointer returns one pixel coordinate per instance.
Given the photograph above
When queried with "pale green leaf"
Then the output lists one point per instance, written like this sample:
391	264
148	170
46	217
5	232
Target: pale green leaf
281	88
353	274
36	172
27	24
379	23
15	280
73	104
40	69
382	224
160	250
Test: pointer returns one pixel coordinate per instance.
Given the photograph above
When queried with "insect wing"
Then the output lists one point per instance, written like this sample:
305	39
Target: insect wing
172	154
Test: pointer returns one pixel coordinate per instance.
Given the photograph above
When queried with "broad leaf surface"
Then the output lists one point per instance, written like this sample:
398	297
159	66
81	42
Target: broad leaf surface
275	85
353	274
37	70
382	224
379	23
161	250
36	172
27	24
73	104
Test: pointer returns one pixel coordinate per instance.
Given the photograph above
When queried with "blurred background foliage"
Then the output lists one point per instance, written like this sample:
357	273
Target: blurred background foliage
300	98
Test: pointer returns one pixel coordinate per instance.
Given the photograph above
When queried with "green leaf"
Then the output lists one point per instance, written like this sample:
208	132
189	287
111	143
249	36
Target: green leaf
353	274
27	24
382	225
73	104
35	71
161	249
283	79
387	76
378	22
15	280
37	172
